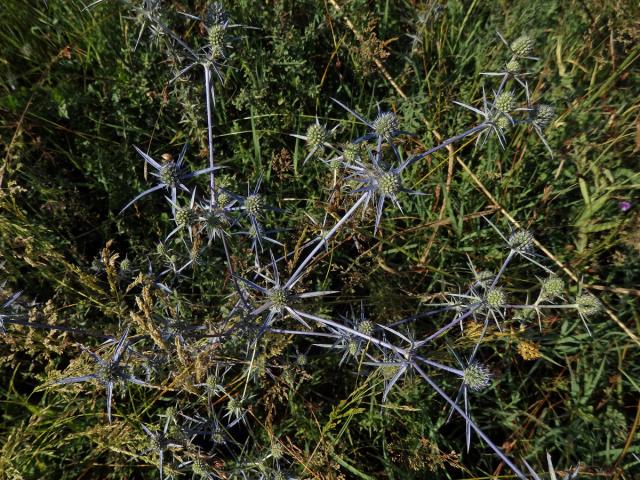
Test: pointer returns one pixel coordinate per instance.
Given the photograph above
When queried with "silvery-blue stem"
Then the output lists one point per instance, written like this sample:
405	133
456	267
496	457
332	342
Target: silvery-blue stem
212	181
450	325
449	141
480	433
502	269
322	241
344	328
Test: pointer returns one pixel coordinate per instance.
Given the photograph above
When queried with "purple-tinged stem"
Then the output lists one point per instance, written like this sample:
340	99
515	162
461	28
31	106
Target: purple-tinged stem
212	181
297	275
480	433
471	131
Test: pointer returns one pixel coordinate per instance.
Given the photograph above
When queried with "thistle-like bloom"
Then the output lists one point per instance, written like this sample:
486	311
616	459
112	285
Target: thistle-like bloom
253	206
184	217
108	372
383	127
213	54
378	183
171	176
278	298
316	138
160	442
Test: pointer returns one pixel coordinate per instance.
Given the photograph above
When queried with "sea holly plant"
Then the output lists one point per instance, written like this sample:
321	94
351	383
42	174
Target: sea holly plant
278	302
109	371
171	176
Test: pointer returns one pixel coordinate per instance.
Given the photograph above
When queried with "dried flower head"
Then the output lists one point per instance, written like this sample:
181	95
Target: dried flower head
528	350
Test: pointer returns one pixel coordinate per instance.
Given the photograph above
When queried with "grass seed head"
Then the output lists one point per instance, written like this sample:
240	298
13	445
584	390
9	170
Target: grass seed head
528	350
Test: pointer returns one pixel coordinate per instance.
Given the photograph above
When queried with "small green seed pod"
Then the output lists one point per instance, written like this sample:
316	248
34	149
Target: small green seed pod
389	184
506	101
522	46
317	135
386	124
476	377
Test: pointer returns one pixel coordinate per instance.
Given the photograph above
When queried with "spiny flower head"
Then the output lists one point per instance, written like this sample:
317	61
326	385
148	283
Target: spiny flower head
216	14
476	377
170	174
353	347
125	265
279	298
389	183
484	278
185	217
199	468
588	305
277	452
513	66
503	123
366	327
235	407
386	125
254	204
496	298
521	241
552	287
506	101
543	114
223	198
216	35
302	360
522	46
352	152
317	135
109	372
